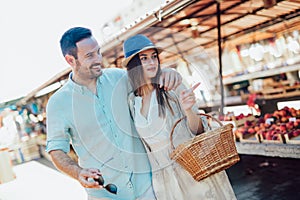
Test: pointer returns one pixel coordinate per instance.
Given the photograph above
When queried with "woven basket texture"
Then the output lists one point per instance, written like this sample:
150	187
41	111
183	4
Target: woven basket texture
206	153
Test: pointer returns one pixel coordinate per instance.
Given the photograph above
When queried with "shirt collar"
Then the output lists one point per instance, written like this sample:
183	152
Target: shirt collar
80	88
76	86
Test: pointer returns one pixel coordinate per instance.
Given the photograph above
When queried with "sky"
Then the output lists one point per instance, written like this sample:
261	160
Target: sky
29	38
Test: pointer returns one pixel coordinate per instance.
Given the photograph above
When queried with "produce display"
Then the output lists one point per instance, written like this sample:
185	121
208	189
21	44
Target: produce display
237	120
231	117
278	127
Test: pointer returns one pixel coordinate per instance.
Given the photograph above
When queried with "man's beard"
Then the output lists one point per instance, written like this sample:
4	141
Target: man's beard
95	75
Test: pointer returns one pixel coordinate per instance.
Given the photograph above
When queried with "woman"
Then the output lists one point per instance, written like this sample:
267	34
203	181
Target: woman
155	111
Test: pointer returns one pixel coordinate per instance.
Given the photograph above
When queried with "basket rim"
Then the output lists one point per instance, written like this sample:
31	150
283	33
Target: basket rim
208	134
199	114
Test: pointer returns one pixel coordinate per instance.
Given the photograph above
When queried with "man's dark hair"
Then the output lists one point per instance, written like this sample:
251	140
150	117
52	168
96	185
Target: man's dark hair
71	37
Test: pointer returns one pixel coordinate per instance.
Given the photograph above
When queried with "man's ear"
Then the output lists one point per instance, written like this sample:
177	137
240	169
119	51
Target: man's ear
70	60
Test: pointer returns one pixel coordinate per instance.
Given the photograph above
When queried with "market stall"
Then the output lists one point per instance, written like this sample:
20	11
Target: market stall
243	52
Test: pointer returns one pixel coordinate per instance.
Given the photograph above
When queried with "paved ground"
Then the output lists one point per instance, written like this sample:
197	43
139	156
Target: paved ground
259	177
271	178
35	181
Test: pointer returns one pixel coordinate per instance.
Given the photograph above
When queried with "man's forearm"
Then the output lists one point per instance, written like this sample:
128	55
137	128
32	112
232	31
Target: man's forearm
65	163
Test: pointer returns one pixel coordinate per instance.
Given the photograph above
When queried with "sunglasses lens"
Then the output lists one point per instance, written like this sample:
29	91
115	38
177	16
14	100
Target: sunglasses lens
100	180
111	188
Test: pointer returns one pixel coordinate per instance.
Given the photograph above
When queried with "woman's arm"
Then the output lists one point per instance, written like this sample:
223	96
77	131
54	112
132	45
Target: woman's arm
187	100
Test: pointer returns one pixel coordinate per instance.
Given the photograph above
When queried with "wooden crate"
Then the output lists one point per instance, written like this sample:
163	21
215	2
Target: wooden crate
263	140
242	121
292	140
280	92
248	138
270	93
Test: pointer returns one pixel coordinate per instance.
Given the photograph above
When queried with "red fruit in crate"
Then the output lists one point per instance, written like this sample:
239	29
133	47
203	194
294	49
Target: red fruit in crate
282	127
268	136
283	113
273	126
241	129
257	128
286	108
241	116
245	132
290	125
267	115
297	124
251	130
248	123
276	113
293	114
275	137
290	134
272	132
284	119
296	133
260	120
262	126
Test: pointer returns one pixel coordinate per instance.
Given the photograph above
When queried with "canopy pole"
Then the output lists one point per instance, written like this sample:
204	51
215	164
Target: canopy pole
220	58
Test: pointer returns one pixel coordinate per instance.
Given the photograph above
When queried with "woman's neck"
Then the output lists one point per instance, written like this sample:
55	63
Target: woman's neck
147	89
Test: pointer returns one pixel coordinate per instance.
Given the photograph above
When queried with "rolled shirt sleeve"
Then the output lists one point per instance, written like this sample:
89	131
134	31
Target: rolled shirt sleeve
58	137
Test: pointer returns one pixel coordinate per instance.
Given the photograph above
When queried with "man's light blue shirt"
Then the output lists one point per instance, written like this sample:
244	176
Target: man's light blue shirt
102	133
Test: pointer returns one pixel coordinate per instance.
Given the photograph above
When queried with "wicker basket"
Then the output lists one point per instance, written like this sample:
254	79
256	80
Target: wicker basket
207	153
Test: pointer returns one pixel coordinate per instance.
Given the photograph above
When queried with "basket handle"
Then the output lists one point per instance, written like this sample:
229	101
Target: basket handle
184	117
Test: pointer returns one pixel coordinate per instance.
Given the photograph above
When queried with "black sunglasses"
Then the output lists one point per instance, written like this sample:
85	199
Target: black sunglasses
109	187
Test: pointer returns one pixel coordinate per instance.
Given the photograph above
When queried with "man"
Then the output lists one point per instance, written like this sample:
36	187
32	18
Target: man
91	112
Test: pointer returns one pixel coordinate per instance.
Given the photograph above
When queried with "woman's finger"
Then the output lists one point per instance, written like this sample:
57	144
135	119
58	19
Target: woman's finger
195	86
188	98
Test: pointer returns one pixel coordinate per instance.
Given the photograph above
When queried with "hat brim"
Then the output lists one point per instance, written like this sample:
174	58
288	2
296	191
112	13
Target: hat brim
126	60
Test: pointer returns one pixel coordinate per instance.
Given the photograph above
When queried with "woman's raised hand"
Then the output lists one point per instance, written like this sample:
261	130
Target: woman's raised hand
187	97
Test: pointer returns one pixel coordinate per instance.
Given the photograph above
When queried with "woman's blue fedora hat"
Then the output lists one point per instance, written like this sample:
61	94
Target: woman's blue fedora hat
135	45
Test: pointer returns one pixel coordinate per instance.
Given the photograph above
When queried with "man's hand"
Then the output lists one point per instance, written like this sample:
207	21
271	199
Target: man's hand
85	177
67	165
170	79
